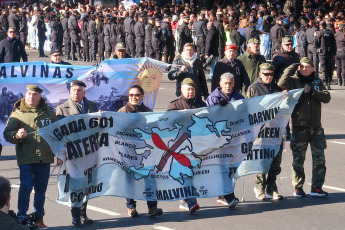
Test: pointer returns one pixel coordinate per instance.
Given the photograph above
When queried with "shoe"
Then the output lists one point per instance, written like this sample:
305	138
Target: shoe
86	220
260	195
22	219
40	225
328	87
74	59
222	201
184	206
155	211
233	203
274	195
318	192
132	212
76	221
299	192
194	208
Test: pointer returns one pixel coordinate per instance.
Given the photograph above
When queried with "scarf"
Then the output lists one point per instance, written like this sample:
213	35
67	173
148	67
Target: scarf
189	60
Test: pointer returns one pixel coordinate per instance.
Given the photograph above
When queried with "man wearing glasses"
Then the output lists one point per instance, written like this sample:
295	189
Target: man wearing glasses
11	48
265	186
56	57
306	125
135	105
283	58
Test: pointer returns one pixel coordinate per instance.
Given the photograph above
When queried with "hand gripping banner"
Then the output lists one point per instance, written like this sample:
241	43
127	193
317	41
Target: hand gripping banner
166	156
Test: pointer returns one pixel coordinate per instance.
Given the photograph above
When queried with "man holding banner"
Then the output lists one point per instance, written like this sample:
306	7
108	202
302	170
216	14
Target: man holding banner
306	125
262	86
221	95
135	105
34	155
77	104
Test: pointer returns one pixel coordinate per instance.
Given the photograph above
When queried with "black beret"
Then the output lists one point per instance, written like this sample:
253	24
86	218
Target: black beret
77	83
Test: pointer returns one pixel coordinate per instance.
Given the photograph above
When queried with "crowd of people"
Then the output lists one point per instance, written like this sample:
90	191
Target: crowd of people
304	46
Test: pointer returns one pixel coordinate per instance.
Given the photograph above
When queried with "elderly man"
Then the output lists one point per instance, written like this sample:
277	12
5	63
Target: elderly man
189	66
7	221
34	155
77	103
120	51
306	125
231	65
56	57
252	59
262	86
11	48
188	100
135	105
221	95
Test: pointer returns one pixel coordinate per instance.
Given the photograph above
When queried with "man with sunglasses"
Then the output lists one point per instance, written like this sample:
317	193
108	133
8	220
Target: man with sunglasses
283	58
265	186
11	48
56	57
135	105
306	125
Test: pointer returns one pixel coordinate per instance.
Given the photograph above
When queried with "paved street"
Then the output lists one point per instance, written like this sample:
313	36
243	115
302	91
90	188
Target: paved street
290	213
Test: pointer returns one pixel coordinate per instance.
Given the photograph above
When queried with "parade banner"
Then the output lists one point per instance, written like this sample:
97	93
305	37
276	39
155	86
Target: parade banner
165	155
107	83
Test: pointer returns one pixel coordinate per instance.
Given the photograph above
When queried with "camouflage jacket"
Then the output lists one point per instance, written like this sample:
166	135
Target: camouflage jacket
307	112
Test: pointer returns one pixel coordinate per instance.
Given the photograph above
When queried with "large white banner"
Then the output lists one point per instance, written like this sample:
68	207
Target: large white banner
107	83
165	155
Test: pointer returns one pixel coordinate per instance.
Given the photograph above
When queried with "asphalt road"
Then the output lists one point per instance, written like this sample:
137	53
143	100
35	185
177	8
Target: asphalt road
290	213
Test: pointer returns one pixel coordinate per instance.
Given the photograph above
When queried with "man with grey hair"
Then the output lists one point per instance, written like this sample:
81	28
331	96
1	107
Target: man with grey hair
222	95
225	92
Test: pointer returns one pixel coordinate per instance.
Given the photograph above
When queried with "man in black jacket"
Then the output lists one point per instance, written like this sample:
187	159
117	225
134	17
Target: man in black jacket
11	48
169	43
189	66
231	65
212	45
184	32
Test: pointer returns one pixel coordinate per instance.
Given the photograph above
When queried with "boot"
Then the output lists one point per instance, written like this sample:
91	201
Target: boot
80	57
74	58
329	85
88	59
84	59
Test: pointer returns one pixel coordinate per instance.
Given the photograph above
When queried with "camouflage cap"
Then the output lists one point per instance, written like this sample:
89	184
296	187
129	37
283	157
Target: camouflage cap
286	40
34	88
120	46
188	81
77	83
266	66
253	41
306	60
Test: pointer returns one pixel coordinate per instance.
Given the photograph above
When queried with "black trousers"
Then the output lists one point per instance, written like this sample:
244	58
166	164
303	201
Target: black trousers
340	62
326	66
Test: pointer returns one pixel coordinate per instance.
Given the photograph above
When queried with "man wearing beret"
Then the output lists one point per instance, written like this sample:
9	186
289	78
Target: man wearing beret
229	64
265	186
34	155
77	103
252	59
56	57
306	125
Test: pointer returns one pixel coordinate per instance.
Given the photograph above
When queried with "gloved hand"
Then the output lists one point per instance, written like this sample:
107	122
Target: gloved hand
223	102
308	89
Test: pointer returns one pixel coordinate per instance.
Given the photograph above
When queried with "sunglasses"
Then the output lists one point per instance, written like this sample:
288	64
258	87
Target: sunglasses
267	74
134	95
12	31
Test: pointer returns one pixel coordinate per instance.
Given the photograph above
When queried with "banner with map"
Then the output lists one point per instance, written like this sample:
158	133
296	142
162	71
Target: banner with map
165	155
107	83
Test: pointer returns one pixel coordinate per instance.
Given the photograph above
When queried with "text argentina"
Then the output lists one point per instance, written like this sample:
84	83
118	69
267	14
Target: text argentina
177	193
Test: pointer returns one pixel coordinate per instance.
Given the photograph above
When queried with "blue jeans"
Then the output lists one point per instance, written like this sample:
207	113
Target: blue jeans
33	176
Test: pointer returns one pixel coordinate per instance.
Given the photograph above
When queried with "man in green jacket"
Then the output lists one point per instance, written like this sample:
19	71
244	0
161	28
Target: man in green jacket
34	155
306	125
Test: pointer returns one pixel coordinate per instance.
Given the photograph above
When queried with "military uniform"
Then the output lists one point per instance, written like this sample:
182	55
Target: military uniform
75	37
85	38
66	36
169	43
306	126
93	41
54	33
326	48
157	42
312	54
340	57
107	45
100	37
129	30
148	40
281	60
277	33
185	35
251	64
139	31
